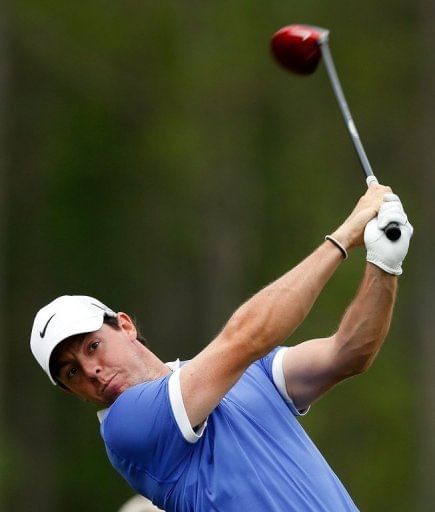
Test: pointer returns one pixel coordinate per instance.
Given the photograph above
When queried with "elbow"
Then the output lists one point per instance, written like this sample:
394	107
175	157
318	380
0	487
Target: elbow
357	356
362	364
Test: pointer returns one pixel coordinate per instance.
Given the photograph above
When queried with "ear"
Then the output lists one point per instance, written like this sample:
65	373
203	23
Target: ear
127	326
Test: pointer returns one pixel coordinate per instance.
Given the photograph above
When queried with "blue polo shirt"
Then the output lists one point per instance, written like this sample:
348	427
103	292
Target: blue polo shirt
251	455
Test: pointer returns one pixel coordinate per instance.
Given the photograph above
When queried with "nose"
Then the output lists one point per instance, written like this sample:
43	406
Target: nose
92	369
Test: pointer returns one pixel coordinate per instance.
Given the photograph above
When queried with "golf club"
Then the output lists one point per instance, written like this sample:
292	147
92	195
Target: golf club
298	48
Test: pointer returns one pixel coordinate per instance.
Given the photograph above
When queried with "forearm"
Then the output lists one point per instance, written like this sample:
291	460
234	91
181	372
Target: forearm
272	315
366	322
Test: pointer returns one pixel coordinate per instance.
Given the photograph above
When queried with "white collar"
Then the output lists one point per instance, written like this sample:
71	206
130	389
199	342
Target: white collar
172	365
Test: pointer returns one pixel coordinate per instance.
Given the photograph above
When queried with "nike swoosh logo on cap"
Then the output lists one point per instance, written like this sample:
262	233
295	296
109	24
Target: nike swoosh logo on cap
42	333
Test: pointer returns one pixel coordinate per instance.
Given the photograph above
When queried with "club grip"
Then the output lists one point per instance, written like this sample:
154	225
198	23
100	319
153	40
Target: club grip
392	231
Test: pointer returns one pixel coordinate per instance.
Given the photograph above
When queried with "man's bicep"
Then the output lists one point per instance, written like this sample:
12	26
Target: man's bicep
310	369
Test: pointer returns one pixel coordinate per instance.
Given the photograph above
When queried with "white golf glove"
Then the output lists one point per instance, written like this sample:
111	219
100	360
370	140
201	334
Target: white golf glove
382	252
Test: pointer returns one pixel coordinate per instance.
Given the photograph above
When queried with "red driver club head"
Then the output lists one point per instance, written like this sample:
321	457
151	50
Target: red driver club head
297	47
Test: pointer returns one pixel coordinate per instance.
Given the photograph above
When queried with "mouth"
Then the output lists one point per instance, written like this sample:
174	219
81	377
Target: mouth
108	389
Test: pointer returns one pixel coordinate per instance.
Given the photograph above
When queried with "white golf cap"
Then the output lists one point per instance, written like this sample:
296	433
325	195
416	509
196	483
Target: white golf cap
64	317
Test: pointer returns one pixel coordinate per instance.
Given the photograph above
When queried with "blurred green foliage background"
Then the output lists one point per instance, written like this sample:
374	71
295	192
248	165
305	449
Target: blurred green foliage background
154	156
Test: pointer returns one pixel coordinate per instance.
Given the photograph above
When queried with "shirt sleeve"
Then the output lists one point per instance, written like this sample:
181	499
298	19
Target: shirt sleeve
179	411
272	365
140	429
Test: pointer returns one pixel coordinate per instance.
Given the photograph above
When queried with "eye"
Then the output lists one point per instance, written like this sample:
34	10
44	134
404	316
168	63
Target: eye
93	346
71	372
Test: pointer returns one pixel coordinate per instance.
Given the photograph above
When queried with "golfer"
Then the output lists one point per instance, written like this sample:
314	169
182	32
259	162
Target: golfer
220	432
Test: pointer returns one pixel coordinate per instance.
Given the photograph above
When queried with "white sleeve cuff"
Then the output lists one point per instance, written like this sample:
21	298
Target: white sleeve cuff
279	381
179	411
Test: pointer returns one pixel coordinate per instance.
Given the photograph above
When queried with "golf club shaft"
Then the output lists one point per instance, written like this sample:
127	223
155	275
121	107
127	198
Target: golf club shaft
342	103
392	231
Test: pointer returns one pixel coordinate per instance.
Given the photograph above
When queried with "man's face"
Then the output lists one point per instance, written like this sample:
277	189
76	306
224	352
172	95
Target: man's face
104	364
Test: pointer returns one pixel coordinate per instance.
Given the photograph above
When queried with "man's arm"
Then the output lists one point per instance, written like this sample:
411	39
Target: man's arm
259	325
269	317
313	367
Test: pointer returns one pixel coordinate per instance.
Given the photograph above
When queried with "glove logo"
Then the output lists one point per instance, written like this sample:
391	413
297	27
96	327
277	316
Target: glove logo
42	333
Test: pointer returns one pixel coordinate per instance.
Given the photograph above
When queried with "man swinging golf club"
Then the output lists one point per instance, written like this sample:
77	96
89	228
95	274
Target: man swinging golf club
220	432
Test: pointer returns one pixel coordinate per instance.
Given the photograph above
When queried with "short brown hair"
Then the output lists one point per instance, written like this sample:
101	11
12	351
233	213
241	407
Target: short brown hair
112	321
